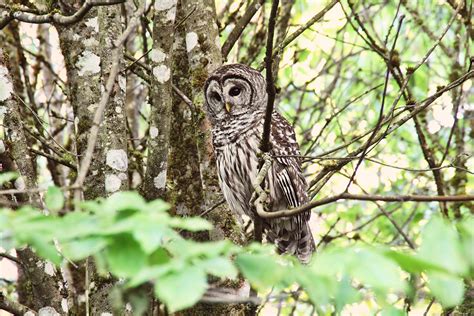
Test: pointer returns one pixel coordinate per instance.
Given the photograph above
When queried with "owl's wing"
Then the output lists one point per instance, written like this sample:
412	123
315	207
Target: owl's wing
289	176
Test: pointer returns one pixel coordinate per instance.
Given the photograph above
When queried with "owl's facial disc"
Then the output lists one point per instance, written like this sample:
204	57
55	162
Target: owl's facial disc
237	95
215	99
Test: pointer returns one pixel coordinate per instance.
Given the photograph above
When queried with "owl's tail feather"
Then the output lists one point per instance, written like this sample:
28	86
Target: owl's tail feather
299	243
306	245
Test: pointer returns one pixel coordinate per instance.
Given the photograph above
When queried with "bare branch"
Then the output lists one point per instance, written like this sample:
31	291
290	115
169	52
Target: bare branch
271	91
240	26
14	307
55	18
318	16
262	196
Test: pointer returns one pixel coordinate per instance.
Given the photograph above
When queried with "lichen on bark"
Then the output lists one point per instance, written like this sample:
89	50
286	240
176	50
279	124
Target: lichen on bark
154	185
36	288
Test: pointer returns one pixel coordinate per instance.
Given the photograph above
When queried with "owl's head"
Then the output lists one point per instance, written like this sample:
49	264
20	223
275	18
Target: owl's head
234	90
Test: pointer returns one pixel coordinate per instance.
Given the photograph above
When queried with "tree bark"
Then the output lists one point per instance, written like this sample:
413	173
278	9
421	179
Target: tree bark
37	280
204	56
161	100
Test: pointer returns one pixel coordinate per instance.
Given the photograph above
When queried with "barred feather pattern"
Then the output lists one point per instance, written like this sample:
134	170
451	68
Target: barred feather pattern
236	141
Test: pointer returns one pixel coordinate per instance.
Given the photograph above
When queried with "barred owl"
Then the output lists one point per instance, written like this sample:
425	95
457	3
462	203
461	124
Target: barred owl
235	102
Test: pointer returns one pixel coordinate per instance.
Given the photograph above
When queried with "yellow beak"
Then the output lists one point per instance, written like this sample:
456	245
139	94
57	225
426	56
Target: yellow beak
228	107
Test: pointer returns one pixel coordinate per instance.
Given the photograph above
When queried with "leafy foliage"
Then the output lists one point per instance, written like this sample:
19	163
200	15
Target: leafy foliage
140	242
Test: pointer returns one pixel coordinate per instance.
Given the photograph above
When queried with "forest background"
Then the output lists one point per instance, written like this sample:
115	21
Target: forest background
101	99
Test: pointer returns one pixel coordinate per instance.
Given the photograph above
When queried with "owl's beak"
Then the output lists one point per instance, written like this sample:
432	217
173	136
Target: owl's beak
228	107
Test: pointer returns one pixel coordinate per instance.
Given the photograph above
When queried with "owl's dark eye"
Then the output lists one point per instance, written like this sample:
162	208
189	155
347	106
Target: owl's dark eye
235	91
216	96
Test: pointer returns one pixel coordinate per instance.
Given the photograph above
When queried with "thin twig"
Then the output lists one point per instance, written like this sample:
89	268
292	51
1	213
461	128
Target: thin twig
56	159
380	118
262	196
240	26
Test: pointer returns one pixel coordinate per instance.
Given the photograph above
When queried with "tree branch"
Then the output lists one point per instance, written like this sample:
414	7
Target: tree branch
55	18
14	307
240	26
271	91
318	16
262	196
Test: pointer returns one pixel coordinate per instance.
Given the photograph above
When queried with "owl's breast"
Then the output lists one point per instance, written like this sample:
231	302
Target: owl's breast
237	165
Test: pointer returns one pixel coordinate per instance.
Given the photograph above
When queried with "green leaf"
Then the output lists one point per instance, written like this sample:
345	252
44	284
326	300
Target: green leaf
54	199
83	248
159	257
466	229
375	270
30	224
153	273
181	289
8	176
192	224
91	206
158	206
345	294
125	201
392	311
219	267
318	287
77	225
188	248
124	256
411	263
46	250
447	289
256	269
150	238
441	246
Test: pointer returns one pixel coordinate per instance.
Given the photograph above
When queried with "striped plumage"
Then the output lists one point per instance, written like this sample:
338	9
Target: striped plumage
235	103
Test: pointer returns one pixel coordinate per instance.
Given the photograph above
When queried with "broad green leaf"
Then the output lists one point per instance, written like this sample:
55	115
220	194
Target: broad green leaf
392	311
192	224
54	199
345	293
447	289
46	250
92	206
125	201
77	225
27	228
8	176
466	229
441	246
153	273
332	261
255	268
157	206
319	288
124	256
219	267
83	248
150	238
181	289
159	257
412	263
188	248
376	271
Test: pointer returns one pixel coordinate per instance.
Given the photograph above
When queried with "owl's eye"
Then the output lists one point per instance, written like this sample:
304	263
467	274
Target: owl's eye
235	91
216	96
